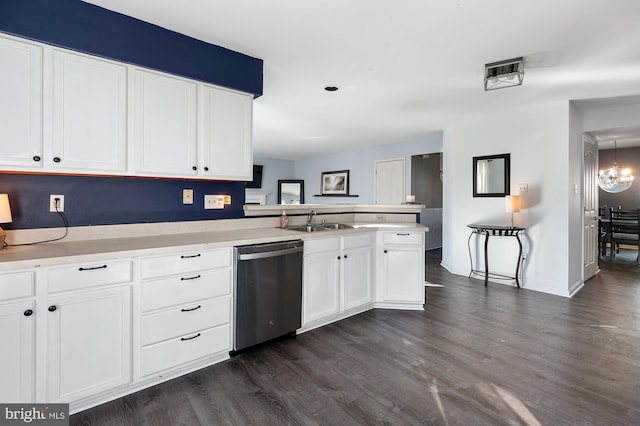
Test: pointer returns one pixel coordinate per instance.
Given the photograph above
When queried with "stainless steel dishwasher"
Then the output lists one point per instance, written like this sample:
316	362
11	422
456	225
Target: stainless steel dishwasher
267	292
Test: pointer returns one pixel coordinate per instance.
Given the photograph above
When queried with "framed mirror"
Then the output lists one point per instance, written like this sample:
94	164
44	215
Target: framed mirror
492	175
290	191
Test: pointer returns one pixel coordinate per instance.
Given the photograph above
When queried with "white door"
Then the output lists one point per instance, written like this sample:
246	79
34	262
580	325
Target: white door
225	120
321	286
403	276
20	104
89	114
590	207
88	343
164	125
389	181
17	354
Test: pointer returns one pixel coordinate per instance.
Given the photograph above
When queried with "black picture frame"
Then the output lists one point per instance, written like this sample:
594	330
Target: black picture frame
334	183
491	186
287	191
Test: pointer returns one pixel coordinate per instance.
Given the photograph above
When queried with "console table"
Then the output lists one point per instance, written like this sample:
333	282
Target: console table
498	231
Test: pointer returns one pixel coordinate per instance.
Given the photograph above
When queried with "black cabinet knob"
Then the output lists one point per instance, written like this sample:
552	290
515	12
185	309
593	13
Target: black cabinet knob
194	168
206	169
28	313
36	158
56	159
52	308
345	256
385	251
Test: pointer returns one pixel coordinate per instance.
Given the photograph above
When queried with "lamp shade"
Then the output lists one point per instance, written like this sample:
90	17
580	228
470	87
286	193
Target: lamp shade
5	209
512	203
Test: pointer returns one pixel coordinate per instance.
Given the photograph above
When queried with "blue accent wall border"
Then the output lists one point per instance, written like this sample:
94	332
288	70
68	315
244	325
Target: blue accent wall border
100	200
87	28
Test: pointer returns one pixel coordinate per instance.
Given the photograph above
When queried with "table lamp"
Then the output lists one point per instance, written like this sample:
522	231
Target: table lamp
5	216
512	205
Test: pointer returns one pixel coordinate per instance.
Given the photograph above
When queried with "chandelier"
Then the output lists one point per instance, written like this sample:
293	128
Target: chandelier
614	179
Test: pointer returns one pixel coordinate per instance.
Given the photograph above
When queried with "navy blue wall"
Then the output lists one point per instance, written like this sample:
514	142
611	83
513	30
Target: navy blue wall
98	200
87	28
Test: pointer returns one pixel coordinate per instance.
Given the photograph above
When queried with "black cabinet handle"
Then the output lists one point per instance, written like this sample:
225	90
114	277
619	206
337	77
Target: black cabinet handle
338	257
190	338
206	169
93	268
28	313
190	256
385	251
56	159
194	168
36	158
52	308
345	256
402	235
190	278
191	309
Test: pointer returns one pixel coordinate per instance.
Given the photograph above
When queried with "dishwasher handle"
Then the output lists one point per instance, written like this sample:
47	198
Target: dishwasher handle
267	254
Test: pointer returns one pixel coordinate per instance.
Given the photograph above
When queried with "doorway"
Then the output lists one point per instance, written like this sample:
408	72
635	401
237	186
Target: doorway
426	185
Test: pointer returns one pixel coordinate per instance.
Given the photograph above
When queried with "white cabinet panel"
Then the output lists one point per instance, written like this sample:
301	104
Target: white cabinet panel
20	104
321	289
89	114
17	353
88	343
225	134
164	124
356	270
403	274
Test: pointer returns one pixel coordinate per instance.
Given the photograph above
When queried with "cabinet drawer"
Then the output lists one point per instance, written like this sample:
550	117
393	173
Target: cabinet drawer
88	275
183	349
186	319
414	238
360	240
176	291
19	284
319	245
159	266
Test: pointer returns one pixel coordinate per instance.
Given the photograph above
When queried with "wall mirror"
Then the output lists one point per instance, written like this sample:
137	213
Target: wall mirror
290	191
491	175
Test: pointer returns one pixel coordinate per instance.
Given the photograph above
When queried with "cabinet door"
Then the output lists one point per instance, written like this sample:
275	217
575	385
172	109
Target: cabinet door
17	354
88	343
20	104
403	273
321	286
225	134
356	264
164	125
89	114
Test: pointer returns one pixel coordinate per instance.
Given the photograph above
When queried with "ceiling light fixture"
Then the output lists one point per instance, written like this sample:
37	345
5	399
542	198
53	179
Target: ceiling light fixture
331	88
614	179
508	73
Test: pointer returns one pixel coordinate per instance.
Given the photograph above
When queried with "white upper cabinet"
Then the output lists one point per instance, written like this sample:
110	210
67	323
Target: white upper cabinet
225	137
20	104
89	114
164	125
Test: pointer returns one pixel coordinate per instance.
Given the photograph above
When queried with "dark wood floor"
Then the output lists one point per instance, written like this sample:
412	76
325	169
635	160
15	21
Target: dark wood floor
475	356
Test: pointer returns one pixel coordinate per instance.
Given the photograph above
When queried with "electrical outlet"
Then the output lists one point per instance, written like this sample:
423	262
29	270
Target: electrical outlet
213	202
381	218
56	203
187	196
523	187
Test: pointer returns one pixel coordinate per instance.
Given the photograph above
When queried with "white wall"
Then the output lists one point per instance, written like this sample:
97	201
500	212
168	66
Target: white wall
538	140
610	117
361	166
273	170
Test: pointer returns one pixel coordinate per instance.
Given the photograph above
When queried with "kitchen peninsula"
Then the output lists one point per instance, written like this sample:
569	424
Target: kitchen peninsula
115	309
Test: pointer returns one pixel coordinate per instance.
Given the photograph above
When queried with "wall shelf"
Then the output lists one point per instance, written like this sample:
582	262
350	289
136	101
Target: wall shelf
334	195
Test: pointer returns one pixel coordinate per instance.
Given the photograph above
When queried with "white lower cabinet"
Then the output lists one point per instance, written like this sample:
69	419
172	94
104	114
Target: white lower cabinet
336	279
401	270
88	342
185	316
17	334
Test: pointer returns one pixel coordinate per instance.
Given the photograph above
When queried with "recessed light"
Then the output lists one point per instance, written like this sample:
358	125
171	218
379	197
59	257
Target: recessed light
331	88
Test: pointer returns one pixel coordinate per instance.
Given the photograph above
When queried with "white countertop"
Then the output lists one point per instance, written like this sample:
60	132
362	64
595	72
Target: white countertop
47	254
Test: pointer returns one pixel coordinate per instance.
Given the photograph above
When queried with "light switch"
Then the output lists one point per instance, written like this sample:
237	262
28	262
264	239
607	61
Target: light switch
523	187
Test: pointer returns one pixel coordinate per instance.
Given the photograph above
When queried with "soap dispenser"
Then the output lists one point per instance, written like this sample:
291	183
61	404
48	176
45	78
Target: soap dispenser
284	221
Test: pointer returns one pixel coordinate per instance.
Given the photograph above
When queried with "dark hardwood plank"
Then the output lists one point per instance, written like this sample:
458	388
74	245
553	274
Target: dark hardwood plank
476	355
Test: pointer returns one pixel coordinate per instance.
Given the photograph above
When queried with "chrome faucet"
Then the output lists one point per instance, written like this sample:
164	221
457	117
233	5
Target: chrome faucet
310	217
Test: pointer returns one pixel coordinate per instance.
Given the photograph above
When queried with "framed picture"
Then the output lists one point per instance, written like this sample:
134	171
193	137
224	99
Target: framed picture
335	183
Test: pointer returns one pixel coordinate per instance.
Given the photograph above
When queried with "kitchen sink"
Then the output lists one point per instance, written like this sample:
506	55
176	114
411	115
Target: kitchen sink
319	227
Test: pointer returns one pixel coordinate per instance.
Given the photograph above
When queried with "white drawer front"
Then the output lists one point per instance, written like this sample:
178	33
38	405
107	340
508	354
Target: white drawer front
319	245
159	266
89	275
359	240
177	351
414	238
19	284
177	291
186	319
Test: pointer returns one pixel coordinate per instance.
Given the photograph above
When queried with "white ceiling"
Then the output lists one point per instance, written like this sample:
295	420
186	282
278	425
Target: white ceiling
406	68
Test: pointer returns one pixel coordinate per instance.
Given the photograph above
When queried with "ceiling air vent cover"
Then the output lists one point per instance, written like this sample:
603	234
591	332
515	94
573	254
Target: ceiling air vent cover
499	75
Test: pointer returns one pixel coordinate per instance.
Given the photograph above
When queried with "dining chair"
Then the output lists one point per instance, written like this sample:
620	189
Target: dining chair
625	229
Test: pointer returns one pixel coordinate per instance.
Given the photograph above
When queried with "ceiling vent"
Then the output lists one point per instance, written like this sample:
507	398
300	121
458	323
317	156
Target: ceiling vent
499	75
